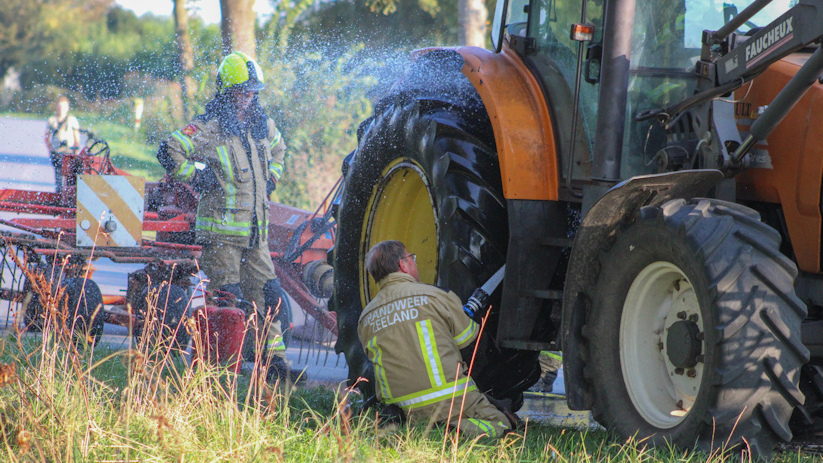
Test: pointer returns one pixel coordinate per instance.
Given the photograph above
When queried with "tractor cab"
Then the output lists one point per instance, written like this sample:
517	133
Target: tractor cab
641	59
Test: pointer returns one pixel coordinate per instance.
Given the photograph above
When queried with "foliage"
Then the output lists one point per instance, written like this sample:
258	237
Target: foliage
317	103
31	30
321	77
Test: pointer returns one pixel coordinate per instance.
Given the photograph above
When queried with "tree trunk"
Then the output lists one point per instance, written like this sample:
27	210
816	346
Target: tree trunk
471	23
185	54
238	26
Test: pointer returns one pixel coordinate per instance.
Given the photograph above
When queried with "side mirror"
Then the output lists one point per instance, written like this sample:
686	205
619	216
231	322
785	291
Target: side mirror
499	24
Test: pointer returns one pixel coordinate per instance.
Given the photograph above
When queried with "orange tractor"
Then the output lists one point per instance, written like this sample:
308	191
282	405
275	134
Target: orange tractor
649	172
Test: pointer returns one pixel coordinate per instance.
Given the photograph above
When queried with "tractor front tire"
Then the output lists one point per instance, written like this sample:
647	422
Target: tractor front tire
693	330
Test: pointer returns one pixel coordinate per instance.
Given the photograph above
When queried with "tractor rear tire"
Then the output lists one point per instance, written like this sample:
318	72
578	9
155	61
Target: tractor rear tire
693	331
426	173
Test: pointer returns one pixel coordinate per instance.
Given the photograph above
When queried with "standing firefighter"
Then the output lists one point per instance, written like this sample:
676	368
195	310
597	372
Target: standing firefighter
233	156
62	136
413	334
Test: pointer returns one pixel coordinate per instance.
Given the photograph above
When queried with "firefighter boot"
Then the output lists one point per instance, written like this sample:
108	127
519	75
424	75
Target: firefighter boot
505	406
280	371
278	318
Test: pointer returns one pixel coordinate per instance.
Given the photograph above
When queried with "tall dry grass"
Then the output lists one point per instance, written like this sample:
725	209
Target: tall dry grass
64	399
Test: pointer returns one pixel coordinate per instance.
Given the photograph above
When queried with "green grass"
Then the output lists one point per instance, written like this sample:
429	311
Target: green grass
128	148
61	402
62	399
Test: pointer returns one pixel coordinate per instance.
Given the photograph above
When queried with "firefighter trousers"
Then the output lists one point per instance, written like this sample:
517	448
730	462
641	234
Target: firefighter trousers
478	415
251	268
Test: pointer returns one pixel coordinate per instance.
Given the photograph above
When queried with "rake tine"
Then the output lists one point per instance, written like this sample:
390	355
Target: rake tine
315	334
300	354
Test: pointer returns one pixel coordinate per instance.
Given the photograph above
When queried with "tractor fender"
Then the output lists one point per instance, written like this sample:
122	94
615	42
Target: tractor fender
521	121
616	208
511	97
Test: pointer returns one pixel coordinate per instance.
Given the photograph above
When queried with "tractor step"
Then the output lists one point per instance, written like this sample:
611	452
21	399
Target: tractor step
537	236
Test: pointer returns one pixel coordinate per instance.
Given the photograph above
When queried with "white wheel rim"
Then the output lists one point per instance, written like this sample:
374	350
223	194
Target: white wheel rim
660	296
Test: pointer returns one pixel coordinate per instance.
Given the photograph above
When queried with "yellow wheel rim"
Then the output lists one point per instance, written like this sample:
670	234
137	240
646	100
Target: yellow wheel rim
401	208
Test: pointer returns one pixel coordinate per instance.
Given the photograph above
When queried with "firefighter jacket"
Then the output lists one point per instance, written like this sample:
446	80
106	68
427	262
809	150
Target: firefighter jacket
413	334
232	181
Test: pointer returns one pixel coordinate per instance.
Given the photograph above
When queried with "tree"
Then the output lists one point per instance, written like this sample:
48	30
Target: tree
185	54
471	22
30	29
471	16
238	26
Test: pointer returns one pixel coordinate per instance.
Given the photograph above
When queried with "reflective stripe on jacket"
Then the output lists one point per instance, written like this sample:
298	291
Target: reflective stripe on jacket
413	333
226	209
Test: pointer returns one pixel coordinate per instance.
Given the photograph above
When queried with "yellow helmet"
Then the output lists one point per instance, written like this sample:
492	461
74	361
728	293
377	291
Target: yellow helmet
238	70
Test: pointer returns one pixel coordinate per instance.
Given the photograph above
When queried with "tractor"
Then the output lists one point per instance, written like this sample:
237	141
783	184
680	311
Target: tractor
649	174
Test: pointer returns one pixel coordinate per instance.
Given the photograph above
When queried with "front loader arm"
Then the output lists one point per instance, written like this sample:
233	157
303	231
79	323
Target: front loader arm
729	61
798	27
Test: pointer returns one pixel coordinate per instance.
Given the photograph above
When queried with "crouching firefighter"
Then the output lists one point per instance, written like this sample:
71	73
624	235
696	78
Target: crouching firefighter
413	333
233	157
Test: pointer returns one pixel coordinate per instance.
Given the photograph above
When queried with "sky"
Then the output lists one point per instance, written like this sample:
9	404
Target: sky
209	10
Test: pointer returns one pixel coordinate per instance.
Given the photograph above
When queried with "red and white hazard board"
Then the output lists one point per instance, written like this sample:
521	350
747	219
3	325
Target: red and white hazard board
110	210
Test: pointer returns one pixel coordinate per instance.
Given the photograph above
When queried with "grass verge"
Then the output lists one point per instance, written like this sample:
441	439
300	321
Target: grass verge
64	399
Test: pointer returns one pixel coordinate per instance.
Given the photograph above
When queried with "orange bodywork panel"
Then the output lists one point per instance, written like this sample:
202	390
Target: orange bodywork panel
787	168
520	119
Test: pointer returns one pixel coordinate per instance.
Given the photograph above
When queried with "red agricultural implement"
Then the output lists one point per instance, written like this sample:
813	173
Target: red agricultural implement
103	212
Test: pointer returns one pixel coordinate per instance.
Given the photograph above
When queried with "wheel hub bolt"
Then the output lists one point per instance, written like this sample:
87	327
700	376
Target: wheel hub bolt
691	373
693	318
681	315
679	371
701	358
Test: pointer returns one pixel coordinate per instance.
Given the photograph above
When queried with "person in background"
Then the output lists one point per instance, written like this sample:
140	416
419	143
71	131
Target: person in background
413	333
233	156
62	137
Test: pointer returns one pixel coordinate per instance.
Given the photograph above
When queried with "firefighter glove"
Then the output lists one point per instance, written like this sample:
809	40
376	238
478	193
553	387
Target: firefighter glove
204	180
